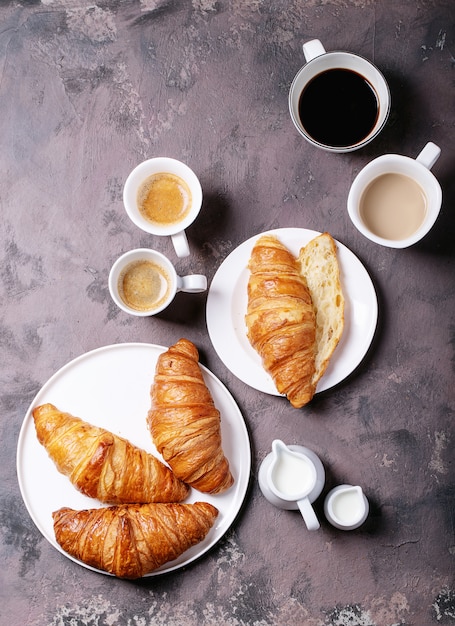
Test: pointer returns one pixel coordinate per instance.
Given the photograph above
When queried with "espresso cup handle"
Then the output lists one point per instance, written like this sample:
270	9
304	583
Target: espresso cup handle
313	49
429	155
308	514
193	283
181	246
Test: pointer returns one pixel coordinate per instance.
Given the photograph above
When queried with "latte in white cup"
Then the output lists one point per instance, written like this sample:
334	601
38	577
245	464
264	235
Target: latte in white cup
395	200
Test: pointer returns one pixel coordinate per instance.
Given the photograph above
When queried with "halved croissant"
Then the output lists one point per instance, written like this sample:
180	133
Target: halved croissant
103	465
319	265
280	319
130	541
184	422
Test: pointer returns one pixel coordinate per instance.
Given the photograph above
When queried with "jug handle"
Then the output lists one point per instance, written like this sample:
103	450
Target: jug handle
308	514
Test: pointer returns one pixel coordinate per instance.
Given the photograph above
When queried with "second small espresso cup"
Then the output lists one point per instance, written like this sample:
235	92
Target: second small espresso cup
163	196
144	282
338	100
395	200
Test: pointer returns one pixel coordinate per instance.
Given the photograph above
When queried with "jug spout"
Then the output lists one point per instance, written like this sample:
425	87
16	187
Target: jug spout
278	447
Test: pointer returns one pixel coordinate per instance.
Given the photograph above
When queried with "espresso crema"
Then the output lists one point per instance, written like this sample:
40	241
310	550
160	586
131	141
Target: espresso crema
164	199
144	285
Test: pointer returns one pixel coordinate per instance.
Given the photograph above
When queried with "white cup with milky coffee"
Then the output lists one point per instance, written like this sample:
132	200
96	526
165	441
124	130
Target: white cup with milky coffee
163	196
144	282
395	200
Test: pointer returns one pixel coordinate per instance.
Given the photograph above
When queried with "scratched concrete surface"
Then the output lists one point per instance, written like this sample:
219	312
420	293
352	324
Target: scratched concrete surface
89	89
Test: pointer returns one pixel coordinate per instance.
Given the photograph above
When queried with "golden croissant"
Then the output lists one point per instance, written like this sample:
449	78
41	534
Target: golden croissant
185	424
280	319
132	540
103	465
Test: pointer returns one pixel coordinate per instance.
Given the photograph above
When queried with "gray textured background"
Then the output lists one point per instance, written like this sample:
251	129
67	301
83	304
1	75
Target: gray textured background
87	90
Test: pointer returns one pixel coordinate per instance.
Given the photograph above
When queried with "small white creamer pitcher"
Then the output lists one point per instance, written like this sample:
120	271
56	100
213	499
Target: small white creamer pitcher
292	477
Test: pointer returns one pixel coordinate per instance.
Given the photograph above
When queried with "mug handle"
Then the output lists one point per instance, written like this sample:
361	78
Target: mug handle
193	283
308	514
181	246
313	49
429	155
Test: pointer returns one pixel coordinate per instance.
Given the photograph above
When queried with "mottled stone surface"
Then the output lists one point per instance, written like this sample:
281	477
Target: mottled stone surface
87	90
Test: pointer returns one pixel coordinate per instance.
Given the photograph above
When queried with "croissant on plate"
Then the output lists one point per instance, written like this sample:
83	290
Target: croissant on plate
185	424
103	465
131	540
280	319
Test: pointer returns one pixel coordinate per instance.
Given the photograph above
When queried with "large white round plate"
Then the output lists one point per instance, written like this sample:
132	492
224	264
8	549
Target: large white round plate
110	387
227	305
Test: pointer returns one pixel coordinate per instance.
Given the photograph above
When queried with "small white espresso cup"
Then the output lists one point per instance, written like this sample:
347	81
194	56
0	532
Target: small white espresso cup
144	282
390	219
338	101
191	189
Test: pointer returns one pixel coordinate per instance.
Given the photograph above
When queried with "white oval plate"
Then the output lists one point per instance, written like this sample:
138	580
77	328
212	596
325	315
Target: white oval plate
227	305
110	387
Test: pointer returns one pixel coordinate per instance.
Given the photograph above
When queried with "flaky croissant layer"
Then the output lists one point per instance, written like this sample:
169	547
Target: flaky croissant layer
103	465
184	422
130	541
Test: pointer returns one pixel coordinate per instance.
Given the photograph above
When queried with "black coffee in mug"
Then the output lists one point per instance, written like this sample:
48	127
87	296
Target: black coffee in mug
338	108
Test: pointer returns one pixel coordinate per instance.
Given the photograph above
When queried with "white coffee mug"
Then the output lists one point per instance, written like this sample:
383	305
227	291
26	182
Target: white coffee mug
367	111
397	222
176	228
143	282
